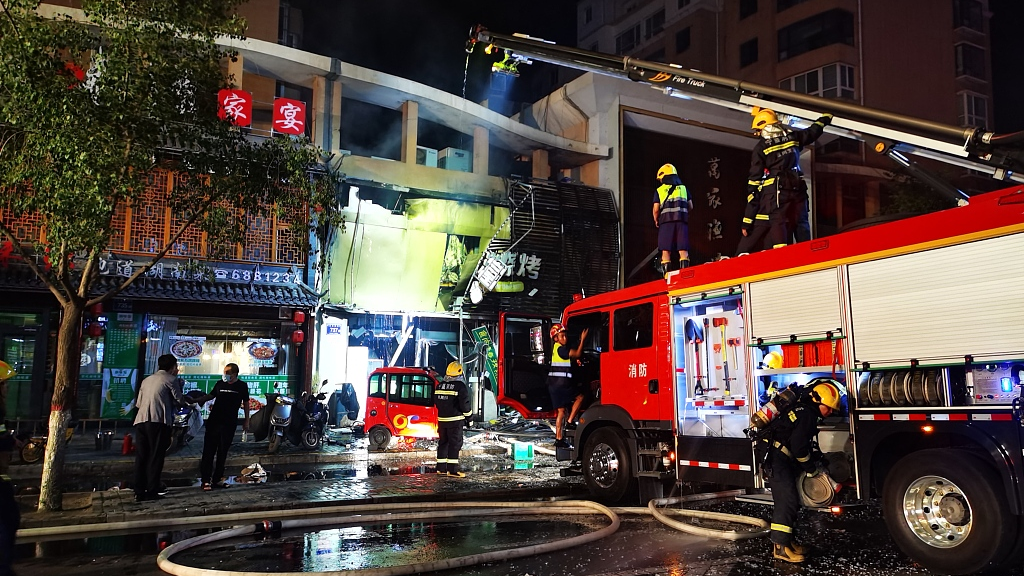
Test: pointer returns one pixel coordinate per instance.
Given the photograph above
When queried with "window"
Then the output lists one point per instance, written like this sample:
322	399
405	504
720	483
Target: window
378	386
972	109
825	29
628	40
747	8
970	61
748	52
684	3
588	15
634	327
596	323
781	5
654	24
968	14
832	81
682	40
412	389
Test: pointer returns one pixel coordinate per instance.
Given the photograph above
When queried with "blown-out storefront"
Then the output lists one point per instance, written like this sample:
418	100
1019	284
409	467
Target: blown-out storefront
252	316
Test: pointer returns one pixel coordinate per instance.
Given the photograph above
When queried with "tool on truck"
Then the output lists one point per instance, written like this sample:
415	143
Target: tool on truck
936	413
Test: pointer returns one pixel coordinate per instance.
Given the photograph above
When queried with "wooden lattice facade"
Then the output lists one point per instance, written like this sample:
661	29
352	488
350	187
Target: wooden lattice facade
147	225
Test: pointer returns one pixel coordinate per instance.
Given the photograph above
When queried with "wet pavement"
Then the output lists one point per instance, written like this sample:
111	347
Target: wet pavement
852	544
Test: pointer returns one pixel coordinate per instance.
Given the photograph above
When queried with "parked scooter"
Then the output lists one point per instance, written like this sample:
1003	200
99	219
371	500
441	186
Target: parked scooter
187	424
301	421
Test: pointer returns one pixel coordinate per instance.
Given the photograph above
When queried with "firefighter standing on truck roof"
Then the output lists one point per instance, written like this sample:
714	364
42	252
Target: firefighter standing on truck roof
775	188
564	392
451	397
792	454
671	217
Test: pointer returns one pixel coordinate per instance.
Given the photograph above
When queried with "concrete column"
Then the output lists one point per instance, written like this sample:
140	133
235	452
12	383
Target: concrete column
336	117
541	167
481	148
235	70
410	129
318	113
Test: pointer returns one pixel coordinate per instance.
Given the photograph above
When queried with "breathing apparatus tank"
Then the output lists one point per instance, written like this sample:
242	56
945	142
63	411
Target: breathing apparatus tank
780	404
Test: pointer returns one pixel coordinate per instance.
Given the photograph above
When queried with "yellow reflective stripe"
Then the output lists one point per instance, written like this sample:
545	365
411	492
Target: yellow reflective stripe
750	197
779	147
450	418
783	449
782	528
792	416
753	182
5	478
761	216
467	414
768	182
747	220
822	124
779	245
804	458
446	392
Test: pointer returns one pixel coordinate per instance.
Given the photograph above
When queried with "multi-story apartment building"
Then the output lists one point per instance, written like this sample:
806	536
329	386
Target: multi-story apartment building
924	58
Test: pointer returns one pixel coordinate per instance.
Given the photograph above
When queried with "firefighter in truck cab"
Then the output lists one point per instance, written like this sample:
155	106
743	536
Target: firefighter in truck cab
792	453
451	397
564	391
776	194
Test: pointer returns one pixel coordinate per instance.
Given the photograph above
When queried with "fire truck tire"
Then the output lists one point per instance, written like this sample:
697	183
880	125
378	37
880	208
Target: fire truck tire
607	466
945	515
379	437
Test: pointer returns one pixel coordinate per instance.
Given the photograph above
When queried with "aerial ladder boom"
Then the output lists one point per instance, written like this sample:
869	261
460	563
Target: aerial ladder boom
1000	156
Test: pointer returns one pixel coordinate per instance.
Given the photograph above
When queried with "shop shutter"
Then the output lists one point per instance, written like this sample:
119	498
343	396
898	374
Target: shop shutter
805	306
940	305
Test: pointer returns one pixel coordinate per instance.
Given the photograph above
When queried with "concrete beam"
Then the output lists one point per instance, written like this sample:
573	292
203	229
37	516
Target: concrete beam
410	130
481	149
541	166
235	68
448	184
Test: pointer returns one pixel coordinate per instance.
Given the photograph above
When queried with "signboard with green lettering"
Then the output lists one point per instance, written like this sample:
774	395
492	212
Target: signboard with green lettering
481	335
120	365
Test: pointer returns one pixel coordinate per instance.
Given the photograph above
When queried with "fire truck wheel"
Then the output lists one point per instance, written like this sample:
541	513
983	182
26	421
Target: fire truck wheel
606	465
379	437
945	515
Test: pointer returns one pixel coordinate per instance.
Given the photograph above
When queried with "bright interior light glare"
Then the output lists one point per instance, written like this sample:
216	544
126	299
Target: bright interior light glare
836	510
927	429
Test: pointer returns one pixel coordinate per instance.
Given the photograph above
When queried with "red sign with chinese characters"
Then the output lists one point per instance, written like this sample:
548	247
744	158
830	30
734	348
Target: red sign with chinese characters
236	105
289	116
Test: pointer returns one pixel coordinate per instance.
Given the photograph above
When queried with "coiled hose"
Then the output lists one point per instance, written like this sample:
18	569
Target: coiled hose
374	513
660	516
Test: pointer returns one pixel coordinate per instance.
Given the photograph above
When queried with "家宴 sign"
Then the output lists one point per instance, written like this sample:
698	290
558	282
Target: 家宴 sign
235	105
289	116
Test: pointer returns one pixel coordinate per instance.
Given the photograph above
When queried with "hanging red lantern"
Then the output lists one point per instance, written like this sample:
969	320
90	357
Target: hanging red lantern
95	330
298	316
96	309
298	337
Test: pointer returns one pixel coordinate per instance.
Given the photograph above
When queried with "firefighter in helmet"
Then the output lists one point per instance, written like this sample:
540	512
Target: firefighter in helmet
793	454
451	397
564	392
776	194
672	205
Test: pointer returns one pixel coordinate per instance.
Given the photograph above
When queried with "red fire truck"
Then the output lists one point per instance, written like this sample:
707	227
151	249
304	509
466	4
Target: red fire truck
922	319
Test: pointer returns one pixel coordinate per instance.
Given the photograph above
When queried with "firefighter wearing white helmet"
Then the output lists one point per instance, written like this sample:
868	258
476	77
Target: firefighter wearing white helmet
791	454
451	397
776	194
672	205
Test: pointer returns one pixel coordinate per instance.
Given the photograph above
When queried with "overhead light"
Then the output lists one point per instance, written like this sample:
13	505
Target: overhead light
476	293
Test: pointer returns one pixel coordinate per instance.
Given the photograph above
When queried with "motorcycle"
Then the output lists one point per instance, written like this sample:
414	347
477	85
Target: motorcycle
302	422
34	447
187	424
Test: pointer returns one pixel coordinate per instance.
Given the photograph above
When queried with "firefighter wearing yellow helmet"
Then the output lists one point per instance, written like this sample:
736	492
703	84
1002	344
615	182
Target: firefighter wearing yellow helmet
671	217
793	453
777	200
451	397
7	442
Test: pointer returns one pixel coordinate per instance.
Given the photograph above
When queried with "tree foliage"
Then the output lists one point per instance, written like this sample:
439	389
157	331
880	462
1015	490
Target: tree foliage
91	102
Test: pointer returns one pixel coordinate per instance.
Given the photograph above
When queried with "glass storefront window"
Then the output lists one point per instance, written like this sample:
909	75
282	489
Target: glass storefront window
203	346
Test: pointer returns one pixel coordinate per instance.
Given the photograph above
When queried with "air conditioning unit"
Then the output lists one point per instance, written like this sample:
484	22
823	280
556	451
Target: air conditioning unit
426	156
455	159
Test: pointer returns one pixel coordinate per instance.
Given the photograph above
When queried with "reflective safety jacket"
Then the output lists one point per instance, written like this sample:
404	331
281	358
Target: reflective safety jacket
674	201
795	436
451	397
775	168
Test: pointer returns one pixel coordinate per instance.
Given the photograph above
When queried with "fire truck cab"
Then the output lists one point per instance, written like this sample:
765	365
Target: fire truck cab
923	321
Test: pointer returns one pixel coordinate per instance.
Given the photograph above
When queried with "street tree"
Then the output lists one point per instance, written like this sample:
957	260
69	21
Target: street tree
92	101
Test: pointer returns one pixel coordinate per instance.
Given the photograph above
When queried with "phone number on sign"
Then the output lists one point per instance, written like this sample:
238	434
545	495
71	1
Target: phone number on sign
257	276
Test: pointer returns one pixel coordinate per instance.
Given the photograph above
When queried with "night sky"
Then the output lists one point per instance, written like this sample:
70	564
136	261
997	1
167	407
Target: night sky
424	40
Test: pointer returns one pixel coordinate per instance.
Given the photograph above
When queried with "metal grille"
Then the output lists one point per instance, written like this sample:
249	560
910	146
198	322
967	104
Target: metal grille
149	215
28	227
576	234
289	249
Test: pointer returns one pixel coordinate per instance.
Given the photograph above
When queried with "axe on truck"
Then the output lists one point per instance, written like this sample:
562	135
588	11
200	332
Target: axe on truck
722	323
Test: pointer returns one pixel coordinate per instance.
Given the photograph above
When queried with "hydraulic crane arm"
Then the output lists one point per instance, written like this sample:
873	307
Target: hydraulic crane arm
999	155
